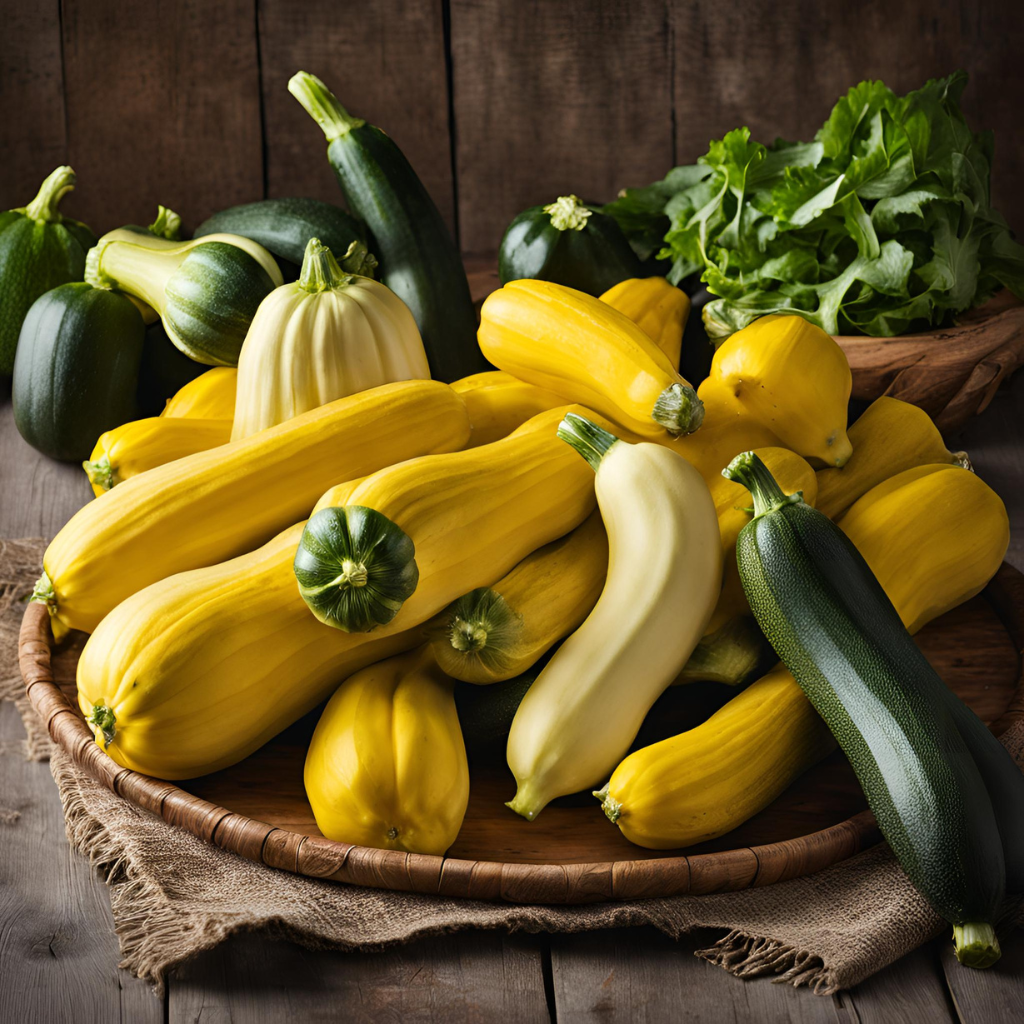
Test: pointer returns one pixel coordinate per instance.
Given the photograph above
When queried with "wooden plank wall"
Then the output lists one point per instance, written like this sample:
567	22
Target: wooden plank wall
498	103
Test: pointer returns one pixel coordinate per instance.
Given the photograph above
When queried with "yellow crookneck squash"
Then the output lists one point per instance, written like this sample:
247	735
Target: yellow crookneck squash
499	403
332	333
219	503
387	764
658	308
210	396
934	536
197	671
134	447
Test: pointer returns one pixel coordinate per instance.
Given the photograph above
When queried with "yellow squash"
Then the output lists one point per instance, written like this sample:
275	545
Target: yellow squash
134	447
387	765
498	403
792	378
658	308
889	437
933	536
579	347
197	671
211	396
219	503
495	633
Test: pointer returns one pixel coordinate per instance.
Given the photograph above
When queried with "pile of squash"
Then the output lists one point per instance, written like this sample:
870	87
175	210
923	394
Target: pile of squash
348	508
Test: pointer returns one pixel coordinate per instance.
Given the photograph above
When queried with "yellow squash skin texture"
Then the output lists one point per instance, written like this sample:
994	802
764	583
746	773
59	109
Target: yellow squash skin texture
203	667
658	308
134	447
578	347
211	396
499	403
217	504
387	765
889	437
547	595
915	533
792	378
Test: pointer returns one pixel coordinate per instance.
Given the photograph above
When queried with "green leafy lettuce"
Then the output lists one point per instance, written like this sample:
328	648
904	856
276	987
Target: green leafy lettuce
881	225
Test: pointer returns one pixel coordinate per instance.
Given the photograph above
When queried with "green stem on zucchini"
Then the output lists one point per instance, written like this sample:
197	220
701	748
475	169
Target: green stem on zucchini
976	944
103	720
678	409
612	808
322	105
320	271
749	471
587	438
100	473
568	213
51	192
167	225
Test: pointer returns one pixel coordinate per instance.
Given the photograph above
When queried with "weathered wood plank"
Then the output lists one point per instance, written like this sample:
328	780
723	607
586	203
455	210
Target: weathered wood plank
469	977
162	107
57	943
386	63
778	68
555	98
991	996
31	100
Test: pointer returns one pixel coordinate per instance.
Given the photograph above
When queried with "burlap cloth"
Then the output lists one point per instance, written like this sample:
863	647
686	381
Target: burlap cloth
173	895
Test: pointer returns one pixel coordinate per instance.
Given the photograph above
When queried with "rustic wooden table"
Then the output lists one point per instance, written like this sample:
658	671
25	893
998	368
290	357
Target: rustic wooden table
58	953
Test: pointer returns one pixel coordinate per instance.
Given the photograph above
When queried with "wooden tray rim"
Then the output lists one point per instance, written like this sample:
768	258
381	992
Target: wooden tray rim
317	857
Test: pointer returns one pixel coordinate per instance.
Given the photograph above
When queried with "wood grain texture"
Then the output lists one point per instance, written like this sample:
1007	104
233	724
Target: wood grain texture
57	945
779	68
555	98
385	61
32	142
985	997
162	107
988	677
461	978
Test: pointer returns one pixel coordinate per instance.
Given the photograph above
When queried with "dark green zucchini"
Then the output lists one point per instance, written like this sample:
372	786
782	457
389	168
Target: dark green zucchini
285	226
419	261
486	713
569	243
832	624
39	249
76	369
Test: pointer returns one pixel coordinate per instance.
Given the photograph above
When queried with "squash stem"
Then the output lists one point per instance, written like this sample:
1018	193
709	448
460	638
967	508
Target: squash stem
612	808
567	213
587	438
103	720
747	469
976	944
320	271
51	192
526	802
100	473
322	105
167	225
678	409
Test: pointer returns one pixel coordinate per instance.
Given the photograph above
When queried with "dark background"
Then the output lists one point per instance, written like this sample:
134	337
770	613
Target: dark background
499	104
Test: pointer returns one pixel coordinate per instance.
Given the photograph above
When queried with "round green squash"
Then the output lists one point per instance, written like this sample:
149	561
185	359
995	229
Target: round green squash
76	370
39	249
569	243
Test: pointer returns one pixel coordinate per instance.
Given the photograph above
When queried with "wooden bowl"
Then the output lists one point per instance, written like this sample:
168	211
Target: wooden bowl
570	854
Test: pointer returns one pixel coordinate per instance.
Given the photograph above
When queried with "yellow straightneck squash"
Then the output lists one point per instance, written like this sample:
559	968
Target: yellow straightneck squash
498	403
933	536
331	333
658	308
387	764
889	437
581	348
791	377
210	396
216	504
195	672
495	633
471	515
134	447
